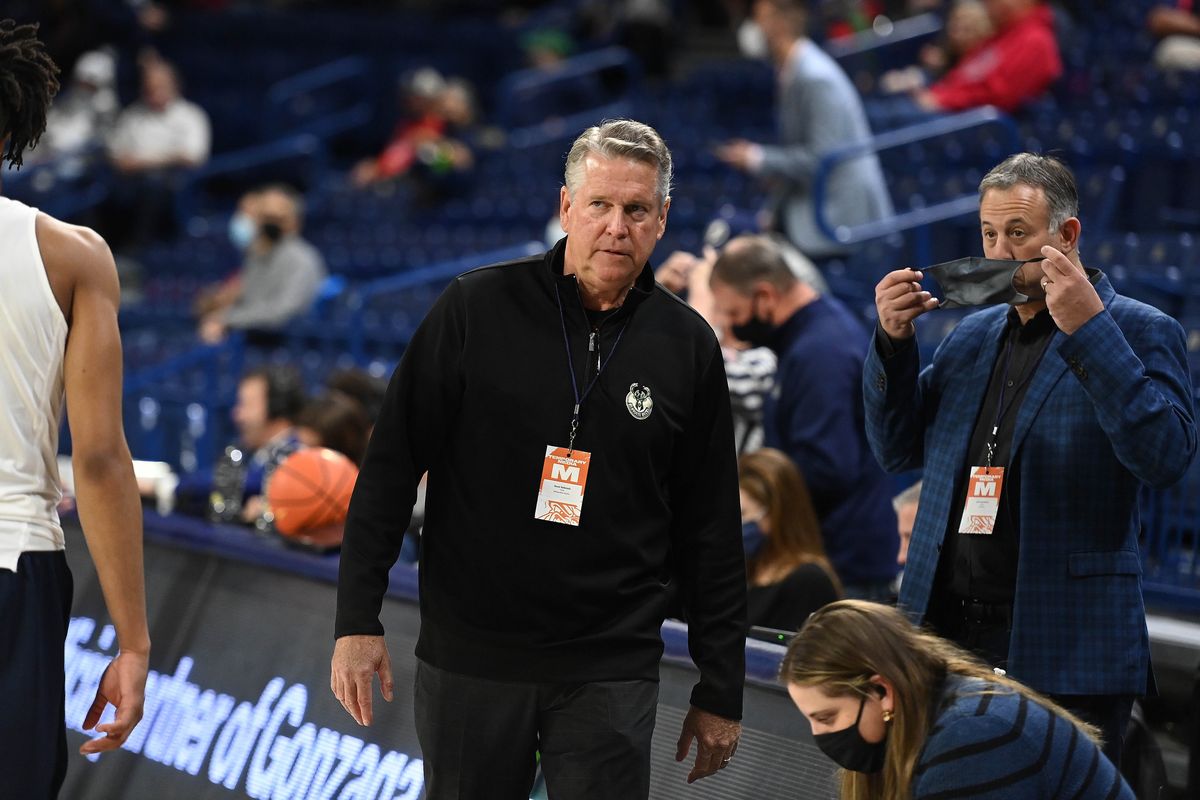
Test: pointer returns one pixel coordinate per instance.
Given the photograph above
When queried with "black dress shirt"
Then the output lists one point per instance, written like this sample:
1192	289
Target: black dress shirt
984	566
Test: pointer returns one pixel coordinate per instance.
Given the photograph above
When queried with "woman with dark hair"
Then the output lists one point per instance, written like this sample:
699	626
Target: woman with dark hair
909	715
789	575
337	421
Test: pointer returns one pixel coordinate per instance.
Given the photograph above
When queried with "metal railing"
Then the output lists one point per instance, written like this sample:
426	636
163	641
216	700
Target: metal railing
917	219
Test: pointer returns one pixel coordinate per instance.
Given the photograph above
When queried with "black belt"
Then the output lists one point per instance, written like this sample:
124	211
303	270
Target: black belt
973	611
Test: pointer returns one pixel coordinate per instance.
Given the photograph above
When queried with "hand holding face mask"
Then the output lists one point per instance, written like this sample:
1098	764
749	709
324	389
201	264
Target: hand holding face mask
963	283
968	282
1070	296
899	299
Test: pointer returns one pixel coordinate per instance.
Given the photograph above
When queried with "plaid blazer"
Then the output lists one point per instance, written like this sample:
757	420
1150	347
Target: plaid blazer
1108	409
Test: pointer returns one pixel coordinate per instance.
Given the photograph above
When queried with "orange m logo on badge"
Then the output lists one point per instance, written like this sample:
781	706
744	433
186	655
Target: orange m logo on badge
562	472
984	488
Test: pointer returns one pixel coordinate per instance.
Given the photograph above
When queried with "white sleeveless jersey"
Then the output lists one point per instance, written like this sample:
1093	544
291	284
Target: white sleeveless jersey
33	337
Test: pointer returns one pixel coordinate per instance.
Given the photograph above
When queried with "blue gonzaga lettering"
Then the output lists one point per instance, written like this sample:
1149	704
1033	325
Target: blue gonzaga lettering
264	746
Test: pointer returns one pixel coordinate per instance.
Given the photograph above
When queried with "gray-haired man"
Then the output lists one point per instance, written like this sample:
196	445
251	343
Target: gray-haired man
574	420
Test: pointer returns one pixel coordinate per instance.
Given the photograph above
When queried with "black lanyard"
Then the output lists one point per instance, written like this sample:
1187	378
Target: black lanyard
1001	410
600	365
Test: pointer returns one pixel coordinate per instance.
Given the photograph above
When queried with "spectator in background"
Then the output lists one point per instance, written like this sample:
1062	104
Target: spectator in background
819	110
432	145
967	27
420	121
366	389
162	130
282	273
790	576
815	412
1178	27
749	371
905	505
445	163
269	400
336	421
1016	65
906	714
85	112
1025	546
154	143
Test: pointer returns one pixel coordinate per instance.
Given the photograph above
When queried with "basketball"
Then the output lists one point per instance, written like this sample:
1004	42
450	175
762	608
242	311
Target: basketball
311	489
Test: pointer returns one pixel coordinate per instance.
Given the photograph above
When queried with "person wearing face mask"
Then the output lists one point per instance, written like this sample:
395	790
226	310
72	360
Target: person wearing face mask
908	715
282	273
814	412
1037	425
819	111
789	575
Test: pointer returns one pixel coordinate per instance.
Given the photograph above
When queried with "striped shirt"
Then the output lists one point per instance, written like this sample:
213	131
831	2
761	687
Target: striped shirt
750	374
1007	746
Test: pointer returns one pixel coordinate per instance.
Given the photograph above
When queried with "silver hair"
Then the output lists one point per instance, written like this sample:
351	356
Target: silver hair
910	496
1045	172
620	138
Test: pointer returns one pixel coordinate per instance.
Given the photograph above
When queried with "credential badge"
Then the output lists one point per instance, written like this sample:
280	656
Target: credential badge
638	401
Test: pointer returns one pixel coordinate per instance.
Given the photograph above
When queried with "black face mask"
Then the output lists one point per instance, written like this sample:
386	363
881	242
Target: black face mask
849	750
272	231
756	331
977	281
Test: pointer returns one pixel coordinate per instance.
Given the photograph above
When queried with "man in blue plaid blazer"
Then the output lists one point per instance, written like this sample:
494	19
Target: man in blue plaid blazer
1080	396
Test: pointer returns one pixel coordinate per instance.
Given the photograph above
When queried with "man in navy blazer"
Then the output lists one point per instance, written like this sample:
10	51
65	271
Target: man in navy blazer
1070	402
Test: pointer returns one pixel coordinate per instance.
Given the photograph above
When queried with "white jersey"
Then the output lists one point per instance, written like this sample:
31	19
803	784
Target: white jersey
33	337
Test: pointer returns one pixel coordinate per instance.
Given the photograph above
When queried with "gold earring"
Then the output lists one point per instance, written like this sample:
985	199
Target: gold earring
887	716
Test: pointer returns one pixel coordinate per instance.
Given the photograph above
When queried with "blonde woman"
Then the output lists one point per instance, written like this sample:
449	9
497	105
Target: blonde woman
790	576
909	715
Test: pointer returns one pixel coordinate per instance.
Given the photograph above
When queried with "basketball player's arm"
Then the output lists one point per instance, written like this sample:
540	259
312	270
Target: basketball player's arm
105	487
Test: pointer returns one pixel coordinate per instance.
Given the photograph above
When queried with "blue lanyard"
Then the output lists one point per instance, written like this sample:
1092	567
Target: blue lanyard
579	398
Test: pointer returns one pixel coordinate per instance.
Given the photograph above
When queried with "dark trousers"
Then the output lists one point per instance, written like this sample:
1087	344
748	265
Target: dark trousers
986	630
980	628
35	606
481	739
1108	712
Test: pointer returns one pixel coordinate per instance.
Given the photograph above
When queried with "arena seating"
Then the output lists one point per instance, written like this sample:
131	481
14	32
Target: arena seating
1131	133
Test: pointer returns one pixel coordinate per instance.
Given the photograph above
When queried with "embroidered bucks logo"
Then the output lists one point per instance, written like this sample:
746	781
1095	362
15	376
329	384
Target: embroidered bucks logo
638	401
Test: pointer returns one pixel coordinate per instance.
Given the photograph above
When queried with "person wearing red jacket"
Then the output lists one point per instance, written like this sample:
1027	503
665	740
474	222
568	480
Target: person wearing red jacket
1015	66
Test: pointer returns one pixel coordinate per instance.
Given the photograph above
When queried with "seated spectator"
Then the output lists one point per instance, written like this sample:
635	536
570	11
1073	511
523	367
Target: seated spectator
789	575
1178	28
432	147
154	142
282	273
445	163
366	389
421	121
906	714
815	411
1016	65
269	399
336	421
84	112
968	26
749	371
